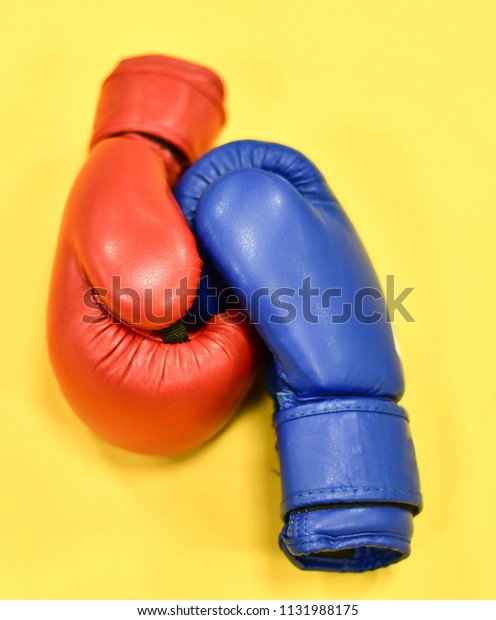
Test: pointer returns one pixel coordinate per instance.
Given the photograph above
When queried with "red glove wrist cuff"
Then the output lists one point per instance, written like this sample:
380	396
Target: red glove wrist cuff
170	99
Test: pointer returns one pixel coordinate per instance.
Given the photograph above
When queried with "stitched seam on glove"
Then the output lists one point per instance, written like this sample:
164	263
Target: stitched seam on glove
414	495
281	417
322	538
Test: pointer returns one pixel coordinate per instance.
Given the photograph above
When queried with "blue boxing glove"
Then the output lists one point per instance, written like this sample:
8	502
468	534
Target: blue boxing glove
278	237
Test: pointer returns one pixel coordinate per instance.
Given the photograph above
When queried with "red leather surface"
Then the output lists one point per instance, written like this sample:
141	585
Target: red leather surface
174	100
122	221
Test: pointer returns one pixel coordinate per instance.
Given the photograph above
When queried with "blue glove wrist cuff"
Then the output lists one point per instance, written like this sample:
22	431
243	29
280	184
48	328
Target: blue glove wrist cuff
350	482
348	538
346	450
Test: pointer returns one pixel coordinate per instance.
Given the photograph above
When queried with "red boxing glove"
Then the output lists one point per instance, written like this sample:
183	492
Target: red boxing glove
127	266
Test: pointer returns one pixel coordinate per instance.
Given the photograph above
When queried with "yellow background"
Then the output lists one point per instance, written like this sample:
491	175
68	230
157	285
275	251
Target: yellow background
395	101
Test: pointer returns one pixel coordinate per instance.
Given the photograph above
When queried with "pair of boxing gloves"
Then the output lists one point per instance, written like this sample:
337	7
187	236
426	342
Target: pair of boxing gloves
151	353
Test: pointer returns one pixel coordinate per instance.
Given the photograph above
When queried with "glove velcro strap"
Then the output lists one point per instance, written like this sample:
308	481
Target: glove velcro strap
346	451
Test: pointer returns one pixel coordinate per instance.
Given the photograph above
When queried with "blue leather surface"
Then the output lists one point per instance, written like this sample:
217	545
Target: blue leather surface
375	536
268	221
292	222
342	450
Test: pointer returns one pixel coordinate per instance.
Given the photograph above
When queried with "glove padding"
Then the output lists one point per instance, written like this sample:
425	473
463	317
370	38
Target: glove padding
277	235
127	270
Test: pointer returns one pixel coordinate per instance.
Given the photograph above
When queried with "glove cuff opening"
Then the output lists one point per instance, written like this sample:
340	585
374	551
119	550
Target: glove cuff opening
171	99
350	484
352	538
